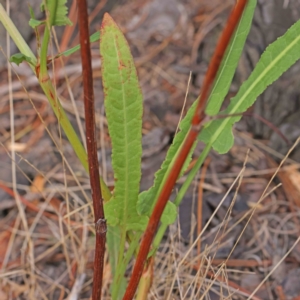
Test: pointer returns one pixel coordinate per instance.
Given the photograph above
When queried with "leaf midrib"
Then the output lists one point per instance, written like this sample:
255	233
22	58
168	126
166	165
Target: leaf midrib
125	214
250	89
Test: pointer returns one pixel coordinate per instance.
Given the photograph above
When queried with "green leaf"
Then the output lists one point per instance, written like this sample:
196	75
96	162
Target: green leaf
19	58
221	86
148	198
169	214
31	12
60	11
230	61
124	109
35	23
93	38
113	244
277	58
219	91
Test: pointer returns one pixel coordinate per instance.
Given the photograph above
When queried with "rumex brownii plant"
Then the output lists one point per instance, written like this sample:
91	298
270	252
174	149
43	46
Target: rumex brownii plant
132	217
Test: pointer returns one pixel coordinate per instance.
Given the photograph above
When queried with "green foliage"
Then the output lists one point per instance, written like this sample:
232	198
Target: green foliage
169	215
222	85
219	91
127	211
113	243
27	55
230	61
124	109
93	38
31	12
19	58
148	198
35	23
113	240
60	11
277	58
16	36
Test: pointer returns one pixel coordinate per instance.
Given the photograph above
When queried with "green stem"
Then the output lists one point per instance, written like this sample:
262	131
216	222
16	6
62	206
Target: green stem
70	132
50	93
192	175
122	265
43	75
146	280
118	274
16	36
162	229
50	12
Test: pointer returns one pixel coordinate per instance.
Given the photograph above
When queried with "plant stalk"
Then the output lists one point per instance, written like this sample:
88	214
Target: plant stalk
16	36
100	222
146	280
50	93
50	12
195	129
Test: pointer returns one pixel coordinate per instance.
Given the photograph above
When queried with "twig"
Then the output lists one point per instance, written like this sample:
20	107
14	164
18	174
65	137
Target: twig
100	222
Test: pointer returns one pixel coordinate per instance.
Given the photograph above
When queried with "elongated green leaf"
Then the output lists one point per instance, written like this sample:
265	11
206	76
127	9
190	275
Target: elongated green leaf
222	83
219	91
230	61
61	12
277	58
148	198
93	38
31	11
123	104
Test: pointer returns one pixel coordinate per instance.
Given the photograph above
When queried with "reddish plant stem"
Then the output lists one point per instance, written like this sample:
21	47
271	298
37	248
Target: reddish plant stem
100	222
217	59
185	149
